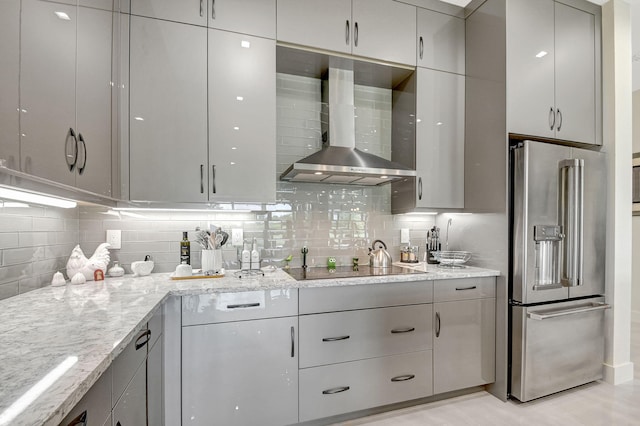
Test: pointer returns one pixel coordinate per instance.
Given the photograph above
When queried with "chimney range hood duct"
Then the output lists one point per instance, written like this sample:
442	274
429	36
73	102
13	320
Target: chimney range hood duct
339	161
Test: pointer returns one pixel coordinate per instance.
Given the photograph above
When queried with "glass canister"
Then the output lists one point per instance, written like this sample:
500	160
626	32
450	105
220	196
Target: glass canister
409	254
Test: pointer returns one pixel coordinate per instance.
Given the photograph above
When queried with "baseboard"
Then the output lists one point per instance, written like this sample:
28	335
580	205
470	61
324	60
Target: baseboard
618	374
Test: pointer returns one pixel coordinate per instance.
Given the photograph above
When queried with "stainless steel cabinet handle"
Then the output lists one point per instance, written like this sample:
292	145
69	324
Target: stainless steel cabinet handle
202	178
335	390
570	212
147	335
244	305
552	118
213	179
80	420
201	7
293	340
118	424
346	33
403	330
559	119
84	154
419	188
437	324
355	34
593	306
403	378
71	159
421	44
335	339
473	287
213	9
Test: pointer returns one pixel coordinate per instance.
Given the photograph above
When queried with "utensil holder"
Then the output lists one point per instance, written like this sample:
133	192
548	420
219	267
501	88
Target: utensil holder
211	260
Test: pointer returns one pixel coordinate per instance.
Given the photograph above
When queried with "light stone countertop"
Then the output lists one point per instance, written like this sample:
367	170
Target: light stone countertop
57	341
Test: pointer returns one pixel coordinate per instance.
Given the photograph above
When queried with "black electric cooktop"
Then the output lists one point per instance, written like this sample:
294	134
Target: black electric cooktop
319	273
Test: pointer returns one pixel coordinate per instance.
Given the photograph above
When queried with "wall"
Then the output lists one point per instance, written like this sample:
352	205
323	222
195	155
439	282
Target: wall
331	220
635	273
35	242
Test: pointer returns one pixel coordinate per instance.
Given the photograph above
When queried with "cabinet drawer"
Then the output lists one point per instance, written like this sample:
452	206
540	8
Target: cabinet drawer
126	364
95	405
352	335
342	388
464	289
225	307
316	300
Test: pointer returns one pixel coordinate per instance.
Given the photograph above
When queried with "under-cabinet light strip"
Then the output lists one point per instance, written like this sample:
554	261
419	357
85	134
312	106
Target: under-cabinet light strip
30	197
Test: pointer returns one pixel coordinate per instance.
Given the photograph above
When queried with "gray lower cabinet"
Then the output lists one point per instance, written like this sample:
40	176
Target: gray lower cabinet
95	406
131	408
341	388
240	373
155	385
463	344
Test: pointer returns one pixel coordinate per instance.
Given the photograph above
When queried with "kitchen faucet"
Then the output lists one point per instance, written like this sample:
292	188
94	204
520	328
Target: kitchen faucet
448	225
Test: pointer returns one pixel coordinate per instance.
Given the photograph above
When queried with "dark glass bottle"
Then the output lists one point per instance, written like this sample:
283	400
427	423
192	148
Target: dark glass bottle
185	249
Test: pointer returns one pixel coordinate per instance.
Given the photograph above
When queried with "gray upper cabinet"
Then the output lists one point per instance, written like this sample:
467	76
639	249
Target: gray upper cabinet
441	43
242	117
47	90
9	78
189	12
378	29
168	111
552	71
93	100
254	17
65	94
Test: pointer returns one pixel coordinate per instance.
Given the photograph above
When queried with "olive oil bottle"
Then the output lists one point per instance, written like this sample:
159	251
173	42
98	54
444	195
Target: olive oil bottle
185	249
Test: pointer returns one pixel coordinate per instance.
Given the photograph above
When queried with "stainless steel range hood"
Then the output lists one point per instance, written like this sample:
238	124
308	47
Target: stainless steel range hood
339	161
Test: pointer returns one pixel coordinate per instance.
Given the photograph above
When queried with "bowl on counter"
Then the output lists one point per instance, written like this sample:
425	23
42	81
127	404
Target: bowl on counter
452	259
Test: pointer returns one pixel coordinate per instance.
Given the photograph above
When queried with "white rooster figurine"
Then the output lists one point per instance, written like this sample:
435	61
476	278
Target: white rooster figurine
78	262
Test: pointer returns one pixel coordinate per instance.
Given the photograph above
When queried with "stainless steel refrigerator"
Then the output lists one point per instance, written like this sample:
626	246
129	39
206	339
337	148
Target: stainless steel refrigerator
557	271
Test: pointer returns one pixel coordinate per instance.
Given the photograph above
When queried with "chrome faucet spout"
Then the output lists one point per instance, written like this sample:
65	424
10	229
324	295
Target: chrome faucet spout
448	225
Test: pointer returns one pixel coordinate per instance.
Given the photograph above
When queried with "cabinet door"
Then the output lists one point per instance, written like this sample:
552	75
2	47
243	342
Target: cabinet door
47	90
131	409
95	405
242	117
384	29
9	84
323	24
464	344
168	111
255	17
155	385
93	100
530	68
575	74
189	12
440	41
240	373
440	139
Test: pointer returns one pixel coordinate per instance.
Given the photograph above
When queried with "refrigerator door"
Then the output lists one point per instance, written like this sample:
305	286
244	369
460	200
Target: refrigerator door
556	347
537	237
559	202
593	223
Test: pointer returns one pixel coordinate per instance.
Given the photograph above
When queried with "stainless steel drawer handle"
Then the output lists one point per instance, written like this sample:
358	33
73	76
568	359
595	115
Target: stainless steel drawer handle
202	178
293	342
335	339
403	330
244	305
140	344
403	378
599	306
335	390
437	324
473	287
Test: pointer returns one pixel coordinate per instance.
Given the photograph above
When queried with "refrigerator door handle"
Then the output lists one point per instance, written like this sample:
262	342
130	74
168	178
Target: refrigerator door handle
571	218
593	306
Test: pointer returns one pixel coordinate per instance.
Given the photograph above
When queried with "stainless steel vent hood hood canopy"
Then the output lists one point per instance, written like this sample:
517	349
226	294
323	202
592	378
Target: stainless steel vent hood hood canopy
339	161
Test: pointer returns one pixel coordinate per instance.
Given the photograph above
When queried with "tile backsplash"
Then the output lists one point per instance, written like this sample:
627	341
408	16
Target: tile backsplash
35	242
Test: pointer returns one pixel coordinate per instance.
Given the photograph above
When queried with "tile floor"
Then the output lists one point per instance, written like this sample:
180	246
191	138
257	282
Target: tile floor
591	404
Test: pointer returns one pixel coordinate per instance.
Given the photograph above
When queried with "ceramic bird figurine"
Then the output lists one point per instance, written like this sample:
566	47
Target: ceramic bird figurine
78	262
